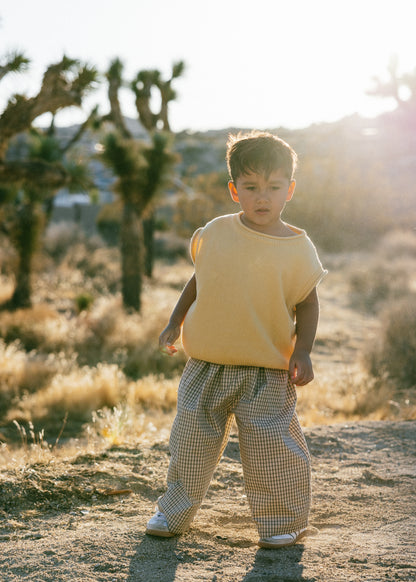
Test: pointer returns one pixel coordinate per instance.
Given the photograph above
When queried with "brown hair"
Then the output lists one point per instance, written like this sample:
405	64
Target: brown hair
259	152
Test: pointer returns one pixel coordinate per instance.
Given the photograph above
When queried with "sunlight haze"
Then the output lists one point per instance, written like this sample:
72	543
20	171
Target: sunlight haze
248	64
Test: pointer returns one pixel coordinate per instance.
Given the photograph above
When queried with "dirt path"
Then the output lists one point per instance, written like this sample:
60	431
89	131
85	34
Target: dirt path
59	522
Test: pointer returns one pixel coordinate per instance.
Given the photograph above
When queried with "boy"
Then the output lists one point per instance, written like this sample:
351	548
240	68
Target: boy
249	315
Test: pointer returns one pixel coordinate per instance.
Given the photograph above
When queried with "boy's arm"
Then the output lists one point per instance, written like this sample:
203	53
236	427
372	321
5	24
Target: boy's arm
173	330
307	315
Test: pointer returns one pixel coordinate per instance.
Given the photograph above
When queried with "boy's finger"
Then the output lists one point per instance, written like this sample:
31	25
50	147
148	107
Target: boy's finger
295	371
298	379
168	349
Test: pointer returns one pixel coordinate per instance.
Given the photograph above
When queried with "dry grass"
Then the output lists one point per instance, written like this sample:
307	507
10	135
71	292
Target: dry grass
95	378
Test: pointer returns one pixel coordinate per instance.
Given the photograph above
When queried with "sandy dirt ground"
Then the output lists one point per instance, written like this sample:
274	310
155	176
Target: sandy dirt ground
71	520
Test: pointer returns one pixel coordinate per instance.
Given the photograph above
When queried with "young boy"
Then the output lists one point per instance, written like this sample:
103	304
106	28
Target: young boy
248	317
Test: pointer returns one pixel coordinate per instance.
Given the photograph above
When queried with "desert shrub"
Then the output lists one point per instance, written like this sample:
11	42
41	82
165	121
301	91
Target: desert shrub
94	266
148	403
372	287
398	244
387	275
339	202
77	393
83	301
106	333
23	374
209	199
171	248
394	355
39	327
12	364
59	237
147	359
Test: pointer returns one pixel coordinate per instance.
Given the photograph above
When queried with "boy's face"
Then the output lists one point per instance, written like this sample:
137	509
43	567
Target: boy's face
262	199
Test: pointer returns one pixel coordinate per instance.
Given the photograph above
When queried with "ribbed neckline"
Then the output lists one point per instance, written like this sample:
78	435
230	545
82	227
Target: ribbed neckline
299	233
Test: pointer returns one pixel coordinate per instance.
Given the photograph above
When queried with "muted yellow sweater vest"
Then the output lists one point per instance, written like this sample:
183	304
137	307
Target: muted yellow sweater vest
248	285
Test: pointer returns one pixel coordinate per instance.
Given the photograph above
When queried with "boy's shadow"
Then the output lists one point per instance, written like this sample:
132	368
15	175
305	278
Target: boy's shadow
155	559
158	559
277	565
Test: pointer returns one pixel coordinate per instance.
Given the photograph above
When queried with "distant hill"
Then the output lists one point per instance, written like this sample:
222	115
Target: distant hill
385	144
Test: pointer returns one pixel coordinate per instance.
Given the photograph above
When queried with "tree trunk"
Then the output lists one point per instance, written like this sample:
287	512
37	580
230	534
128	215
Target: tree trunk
25	236
131	260
149	244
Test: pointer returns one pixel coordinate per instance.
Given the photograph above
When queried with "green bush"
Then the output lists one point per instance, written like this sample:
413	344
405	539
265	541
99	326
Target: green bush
83	301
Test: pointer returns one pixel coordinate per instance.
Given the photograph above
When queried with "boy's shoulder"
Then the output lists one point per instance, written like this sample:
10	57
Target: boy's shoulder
220	220
215	229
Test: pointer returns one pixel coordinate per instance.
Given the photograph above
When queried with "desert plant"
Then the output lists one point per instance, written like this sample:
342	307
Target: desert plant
372	287
398	244
109	221
396	85
394	355
36	328
205	198
31	175
84	301
59	237
141	171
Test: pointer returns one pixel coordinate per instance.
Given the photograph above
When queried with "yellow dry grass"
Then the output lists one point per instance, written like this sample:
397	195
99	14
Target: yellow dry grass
101	369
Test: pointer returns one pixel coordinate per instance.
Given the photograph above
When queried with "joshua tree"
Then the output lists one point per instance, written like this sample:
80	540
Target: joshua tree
395	85
32	174
141	170
153	121
142	87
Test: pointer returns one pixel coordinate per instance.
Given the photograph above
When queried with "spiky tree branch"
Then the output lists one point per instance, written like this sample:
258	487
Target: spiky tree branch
15	62
64	84
114	77
92	121
142	87
43	174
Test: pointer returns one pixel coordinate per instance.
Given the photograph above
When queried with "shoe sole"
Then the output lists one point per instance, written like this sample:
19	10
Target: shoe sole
274	546
159	533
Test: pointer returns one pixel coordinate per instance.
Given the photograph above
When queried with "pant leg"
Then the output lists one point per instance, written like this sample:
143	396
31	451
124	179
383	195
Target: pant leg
274	455
198	438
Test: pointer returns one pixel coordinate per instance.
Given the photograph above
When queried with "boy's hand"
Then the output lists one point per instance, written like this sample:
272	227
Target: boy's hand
168	350
300	368
168	337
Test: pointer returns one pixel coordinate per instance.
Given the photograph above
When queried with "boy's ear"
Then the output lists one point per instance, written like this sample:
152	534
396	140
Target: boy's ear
291	190
233	191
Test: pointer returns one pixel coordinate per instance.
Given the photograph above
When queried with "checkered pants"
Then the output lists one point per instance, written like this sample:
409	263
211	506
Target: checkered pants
274	454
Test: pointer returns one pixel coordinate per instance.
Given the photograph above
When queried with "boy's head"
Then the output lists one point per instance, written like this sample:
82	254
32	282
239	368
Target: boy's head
260	153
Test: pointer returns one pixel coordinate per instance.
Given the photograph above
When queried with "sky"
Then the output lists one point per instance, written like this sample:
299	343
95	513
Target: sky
249	63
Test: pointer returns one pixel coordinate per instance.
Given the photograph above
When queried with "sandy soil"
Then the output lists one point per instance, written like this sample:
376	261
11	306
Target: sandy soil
62	521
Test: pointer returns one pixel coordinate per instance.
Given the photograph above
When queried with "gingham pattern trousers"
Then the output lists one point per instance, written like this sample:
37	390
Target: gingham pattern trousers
274	454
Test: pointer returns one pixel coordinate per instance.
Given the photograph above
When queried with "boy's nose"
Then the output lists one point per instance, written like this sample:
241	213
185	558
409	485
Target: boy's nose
263	194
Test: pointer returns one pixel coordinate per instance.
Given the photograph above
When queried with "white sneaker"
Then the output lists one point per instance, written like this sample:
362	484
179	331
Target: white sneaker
158	526
283	540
